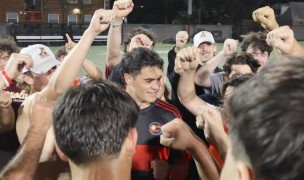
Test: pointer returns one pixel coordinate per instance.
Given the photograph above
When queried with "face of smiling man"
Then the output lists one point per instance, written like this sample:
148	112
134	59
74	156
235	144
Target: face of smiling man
145	86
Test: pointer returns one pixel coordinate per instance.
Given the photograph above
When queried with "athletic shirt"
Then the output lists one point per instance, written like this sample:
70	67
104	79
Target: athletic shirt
148	146
9	141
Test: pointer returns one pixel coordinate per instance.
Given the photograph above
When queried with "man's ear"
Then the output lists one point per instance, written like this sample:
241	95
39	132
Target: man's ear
62	156
245	172
131	141
28	79
128	78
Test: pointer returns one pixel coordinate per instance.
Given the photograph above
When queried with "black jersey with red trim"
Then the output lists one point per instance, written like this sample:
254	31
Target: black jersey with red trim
148	146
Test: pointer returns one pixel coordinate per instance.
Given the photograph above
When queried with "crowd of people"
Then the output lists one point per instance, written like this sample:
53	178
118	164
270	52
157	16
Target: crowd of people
241	121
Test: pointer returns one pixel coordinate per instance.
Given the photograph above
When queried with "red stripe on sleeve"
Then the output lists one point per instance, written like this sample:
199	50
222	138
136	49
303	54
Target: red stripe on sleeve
170	108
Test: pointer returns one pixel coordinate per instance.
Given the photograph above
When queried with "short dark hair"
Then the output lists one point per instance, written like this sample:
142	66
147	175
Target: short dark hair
241	58
257	40
139	58
92	121
267	124
140	30
9	45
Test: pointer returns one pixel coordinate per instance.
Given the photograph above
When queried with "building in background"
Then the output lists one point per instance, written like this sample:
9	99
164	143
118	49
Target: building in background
44	21
50	11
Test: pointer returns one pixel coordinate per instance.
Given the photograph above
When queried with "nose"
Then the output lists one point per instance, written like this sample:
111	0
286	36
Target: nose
156	84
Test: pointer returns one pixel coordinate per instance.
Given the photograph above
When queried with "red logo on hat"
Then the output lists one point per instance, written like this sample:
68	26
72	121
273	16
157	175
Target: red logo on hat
43	54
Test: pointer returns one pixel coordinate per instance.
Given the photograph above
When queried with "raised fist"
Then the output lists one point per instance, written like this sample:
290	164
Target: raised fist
283	39
230	46
140	40
187	59
122	8
266	17
100	21
181	39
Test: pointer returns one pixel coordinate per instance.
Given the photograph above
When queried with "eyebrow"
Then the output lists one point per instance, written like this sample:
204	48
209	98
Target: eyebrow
151	79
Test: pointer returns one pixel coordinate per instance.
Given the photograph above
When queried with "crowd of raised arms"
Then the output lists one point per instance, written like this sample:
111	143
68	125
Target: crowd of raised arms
242	121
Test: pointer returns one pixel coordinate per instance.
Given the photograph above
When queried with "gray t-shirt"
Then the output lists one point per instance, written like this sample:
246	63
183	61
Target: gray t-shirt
217	81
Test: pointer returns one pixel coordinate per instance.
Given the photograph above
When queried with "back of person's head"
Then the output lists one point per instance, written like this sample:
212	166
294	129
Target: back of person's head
133	62
139	30
267	127
8	45
240	58
257	41
228	89
92	121
235	81
61	53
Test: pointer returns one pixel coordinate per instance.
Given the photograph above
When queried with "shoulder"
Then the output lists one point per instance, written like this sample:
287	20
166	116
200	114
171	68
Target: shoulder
23	120
168	107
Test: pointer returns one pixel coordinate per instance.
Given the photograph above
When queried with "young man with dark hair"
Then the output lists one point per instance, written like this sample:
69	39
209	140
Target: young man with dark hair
266	130
139	35
142	72
94	126
255	44
240	63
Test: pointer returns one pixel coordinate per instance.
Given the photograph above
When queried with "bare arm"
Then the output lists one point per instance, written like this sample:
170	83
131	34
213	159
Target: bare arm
211	122
187	59
68	70
202	76
92	70
25	162
176	134
121	9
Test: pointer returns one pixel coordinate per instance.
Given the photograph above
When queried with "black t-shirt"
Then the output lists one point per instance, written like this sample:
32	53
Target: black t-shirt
116	76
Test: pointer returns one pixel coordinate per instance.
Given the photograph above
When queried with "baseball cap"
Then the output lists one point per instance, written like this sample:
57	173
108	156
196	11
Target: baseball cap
203	36
42	56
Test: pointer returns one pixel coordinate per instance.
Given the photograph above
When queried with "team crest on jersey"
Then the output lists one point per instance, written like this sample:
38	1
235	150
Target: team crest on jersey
154	128
42	53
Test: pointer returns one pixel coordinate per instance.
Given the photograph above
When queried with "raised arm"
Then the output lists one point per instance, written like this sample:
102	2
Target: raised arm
177	135
68	70
211	122
121	8
202	76
284	41
25	162
92	70
187	62
11	71
266	17
181	39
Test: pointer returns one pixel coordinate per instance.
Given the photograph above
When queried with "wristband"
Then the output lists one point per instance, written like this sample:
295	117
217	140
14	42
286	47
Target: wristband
6	84
6	77
117	24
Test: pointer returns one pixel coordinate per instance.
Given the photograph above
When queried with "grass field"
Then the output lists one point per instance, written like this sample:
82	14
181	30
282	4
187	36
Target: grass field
97	54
